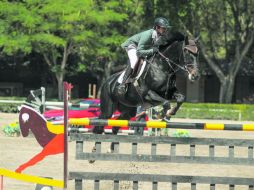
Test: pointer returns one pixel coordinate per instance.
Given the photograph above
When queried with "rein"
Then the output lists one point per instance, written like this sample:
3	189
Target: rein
170	62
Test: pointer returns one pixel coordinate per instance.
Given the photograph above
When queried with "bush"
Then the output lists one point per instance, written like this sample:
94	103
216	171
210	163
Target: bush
12	129
10	107
217	111
181	133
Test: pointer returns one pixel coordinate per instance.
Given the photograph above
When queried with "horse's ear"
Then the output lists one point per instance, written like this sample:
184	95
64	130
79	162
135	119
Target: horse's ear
186	40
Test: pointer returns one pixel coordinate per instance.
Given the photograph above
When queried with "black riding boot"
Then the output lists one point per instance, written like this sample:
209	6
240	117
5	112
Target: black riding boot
123	87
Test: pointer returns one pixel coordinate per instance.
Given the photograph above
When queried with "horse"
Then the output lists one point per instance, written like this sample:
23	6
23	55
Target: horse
156	86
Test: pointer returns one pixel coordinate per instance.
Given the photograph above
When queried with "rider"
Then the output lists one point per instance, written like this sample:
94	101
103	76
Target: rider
145	44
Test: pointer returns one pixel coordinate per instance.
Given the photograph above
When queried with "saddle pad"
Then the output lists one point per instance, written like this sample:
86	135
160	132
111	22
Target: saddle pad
120	78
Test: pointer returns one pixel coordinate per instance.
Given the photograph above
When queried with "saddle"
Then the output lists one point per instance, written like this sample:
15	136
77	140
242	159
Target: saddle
137	71
137	67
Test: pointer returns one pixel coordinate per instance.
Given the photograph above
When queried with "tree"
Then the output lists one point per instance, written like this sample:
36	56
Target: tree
15	24
237	31
227	32
57	29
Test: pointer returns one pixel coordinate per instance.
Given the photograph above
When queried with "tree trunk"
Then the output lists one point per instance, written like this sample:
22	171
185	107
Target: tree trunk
61	74
227	89
60	78
227	82
230	91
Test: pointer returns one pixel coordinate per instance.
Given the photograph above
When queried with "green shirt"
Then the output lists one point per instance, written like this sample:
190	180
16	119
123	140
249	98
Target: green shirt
143	41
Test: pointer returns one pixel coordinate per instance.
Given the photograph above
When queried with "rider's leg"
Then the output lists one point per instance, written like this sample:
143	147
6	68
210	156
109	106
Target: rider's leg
132	54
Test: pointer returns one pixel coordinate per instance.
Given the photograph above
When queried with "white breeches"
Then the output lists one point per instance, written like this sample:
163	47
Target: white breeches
132	54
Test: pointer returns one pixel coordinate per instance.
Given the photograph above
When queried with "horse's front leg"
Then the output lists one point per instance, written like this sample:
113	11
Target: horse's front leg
165	103
179	101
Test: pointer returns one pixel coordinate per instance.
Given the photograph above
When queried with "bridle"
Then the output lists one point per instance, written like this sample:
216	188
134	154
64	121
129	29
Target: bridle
171	62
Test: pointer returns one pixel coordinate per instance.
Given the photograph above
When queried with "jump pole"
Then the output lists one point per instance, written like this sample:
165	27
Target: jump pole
160	124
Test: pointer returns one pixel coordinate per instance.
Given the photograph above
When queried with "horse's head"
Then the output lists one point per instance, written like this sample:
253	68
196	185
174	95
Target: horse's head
182	56
190	59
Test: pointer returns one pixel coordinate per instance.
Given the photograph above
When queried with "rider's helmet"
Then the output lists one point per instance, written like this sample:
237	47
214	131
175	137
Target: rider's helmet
161	22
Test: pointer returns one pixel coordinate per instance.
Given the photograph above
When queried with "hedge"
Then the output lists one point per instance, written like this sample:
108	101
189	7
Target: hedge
10	107
244	112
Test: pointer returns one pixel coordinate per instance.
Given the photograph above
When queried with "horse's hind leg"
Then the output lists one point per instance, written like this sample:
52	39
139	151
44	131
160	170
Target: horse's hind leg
107	109
126	114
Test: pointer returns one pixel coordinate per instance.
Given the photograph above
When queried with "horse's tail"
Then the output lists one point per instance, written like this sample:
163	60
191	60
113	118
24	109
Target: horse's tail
107	104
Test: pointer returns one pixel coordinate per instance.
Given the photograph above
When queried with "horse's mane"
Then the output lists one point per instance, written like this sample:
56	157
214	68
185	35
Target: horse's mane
163	47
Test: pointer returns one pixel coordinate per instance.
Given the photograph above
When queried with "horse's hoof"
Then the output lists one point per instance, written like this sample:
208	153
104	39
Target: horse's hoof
166	119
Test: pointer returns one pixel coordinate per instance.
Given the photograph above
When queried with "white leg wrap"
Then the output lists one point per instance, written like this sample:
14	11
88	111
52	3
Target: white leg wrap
132	54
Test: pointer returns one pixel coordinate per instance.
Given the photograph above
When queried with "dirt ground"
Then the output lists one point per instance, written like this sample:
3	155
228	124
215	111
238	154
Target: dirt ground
17	150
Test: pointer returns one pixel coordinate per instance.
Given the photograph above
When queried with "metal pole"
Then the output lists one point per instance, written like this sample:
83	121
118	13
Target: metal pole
89	90
66	90
94	91
43	99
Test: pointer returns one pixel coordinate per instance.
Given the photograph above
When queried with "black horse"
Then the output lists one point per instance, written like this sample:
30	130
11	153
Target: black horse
156	85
